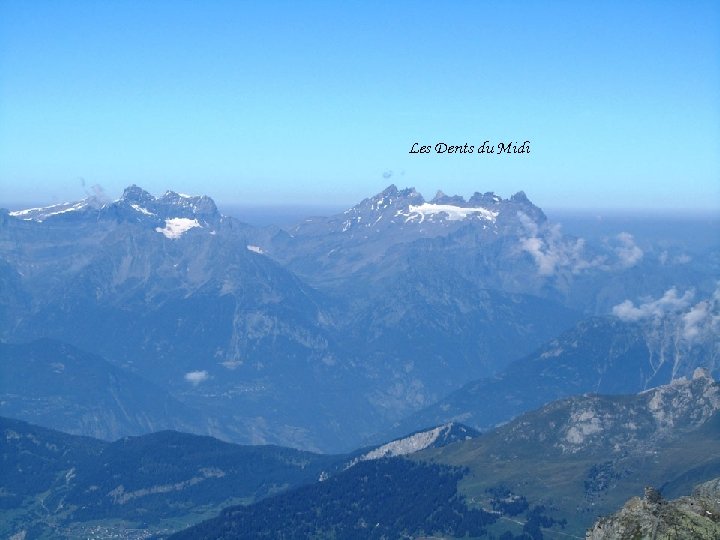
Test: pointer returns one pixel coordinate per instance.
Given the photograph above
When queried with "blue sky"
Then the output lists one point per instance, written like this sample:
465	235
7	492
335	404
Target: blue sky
317	102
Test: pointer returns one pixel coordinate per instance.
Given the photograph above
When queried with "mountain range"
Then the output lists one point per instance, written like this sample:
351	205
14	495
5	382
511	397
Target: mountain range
191	301
553	469
598	355
57	485
448	327
549	472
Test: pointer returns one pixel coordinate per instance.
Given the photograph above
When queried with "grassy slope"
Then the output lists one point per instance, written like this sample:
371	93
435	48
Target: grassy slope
558	480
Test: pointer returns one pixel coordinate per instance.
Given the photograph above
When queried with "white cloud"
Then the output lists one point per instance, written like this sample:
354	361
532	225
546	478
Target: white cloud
669	302
551	251
530	226
545	260
679	332
196	377
665	258
628	252
695	319
702	322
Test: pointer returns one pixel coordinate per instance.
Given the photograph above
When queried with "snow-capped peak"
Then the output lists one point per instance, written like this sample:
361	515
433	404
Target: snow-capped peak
407	208
169	203
172	214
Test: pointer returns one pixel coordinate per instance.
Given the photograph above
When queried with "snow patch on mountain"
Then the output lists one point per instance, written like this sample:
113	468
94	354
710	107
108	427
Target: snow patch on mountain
425	211
407	212
142	210
169	206
42	213
176	227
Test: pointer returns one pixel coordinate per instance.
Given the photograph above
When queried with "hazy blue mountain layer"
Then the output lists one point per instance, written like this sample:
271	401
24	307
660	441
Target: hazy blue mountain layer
494	243
320	335
600	355
169	289
51	383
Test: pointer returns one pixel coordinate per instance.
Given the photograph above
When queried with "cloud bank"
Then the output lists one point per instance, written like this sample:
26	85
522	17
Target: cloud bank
678	331
698	321
549	250
553	252
669	302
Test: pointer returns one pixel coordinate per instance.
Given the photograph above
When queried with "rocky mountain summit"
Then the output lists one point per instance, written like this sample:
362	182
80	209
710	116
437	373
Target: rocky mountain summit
407	209
585	455
387	228
651	517
135	205
436	437
617	425
172	213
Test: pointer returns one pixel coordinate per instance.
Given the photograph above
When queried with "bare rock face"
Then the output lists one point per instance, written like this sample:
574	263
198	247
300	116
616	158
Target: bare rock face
691	518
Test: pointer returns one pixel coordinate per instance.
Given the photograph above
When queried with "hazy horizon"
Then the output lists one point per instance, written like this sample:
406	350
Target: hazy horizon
691	228
327	209
319	103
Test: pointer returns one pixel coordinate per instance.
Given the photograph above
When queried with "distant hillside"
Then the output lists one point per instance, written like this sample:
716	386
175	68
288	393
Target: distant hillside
386	498
55	484
603	355
549	472
53	384
61	485
583	456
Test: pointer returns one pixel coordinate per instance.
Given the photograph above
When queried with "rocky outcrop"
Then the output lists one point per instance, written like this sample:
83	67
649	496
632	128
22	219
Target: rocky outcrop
692	518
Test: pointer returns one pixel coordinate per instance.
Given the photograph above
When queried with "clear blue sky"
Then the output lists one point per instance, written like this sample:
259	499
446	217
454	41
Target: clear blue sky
311	103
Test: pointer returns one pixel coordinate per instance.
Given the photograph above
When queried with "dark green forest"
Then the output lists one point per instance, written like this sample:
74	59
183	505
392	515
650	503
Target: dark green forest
388	498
